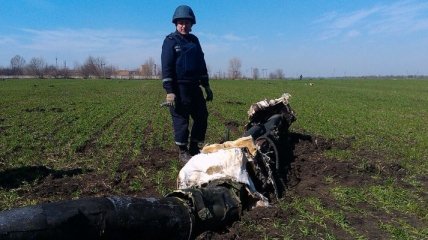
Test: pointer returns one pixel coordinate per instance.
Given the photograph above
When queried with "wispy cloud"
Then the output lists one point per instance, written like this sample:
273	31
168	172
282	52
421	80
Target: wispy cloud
226	43
6	40
353	33
353	19
232	37
398	17
124	48
119	47
228	37
84	39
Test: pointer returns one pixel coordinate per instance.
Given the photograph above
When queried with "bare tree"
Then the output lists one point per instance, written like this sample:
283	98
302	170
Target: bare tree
148	68
109	71
255	73
278	74
5	71
76	70
89	67
17	64
51	71
93	67
235	68
64	72
158	72
37	67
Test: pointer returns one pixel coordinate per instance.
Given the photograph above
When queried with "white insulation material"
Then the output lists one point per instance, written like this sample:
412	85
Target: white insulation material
205	167
268	103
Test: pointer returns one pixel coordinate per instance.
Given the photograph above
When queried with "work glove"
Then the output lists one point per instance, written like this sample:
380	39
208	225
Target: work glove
170	100
209	94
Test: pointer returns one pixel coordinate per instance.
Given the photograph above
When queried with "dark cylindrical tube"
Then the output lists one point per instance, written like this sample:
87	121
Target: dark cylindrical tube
100	218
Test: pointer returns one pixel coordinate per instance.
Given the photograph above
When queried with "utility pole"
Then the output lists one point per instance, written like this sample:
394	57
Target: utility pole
104	72
56	72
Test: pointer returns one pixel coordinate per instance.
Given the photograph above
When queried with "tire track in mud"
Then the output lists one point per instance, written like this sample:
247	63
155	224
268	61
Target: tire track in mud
48	136
128	163
66	120
89	145
127	159
3	128
147	131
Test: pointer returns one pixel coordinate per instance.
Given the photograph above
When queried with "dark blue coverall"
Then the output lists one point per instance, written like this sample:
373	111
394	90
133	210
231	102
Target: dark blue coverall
183	71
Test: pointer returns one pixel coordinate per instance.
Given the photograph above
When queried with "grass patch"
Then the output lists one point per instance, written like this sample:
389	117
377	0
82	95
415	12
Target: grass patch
341	155
402	230
313	218
386	197
391	197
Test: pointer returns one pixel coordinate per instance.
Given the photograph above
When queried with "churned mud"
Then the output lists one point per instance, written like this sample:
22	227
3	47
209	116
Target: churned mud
306	178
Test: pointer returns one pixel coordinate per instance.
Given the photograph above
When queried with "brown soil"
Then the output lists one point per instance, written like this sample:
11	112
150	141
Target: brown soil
306	178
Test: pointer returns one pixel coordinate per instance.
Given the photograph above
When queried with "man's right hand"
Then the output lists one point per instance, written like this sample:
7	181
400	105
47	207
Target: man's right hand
170	99
209	94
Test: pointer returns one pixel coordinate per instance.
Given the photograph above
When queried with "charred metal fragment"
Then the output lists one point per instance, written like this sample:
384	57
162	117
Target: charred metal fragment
269	122
182	214
214	206
100	218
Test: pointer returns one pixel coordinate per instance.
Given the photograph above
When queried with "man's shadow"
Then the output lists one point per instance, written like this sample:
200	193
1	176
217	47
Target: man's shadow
16	177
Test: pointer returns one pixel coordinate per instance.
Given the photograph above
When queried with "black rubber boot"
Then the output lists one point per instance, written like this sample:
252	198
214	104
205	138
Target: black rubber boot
194	148
183	154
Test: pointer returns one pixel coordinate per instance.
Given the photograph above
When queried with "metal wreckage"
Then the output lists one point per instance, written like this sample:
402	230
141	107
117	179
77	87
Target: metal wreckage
214	189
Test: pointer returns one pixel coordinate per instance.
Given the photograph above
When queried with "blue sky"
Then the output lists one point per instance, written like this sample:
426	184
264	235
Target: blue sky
309	37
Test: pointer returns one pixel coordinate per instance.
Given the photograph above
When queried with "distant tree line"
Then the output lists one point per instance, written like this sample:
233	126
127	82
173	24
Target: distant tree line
97	67
93	67
235	72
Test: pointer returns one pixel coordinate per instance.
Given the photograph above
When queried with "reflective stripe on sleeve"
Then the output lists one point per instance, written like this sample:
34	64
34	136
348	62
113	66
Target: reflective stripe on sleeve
167	80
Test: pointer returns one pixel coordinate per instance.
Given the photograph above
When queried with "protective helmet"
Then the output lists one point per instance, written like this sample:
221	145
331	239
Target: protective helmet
184	12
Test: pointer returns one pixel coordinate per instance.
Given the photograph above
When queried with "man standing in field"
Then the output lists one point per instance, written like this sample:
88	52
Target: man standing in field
183	72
